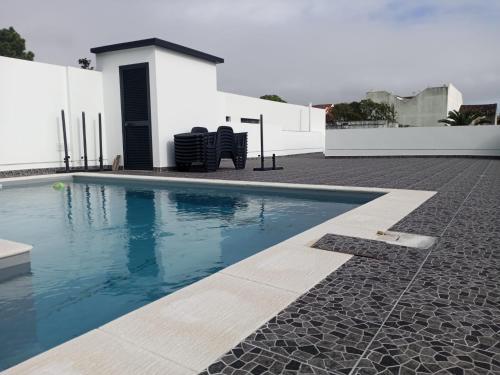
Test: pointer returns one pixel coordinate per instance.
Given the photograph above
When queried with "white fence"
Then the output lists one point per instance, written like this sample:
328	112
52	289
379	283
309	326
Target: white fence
31	98
481	140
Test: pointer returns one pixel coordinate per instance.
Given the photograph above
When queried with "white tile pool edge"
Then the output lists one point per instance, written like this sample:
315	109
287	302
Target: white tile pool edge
188	330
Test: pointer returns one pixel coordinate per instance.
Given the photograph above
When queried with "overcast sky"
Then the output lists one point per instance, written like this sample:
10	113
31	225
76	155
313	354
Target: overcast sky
316	51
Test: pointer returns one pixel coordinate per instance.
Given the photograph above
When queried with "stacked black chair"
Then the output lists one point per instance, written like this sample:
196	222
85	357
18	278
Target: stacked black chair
206	149
241	148
199	129
231	146
195	148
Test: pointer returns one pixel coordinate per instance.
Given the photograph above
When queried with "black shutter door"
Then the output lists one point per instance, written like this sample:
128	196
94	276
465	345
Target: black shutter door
136	116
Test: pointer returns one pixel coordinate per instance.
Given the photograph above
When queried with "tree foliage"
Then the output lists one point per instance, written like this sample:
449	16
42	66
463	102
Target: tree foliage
456	118
13	45
364	110
85	63
273	97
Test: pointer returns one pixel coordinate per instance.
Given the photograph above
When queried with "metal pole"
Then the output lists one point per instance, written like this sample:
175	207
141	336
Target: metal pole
66	157
100	143
262	141
85	161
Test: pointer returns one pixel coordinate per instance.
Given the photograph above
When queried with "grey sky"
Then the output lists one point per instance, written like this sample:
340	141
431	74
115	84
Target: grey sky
304	50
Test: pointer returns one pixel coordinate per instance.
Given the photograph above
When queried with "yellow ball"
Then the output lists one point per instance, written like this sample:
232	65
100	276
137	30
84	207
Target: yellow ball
58	186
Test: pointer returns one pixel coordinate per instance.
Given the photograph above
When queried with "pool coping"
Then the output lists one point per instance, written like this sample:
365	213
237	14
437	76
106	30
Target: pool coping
184	332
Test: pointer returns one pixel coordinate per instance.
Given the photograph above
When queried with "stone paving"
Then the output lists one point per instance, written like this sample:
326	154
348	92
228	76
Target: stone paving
391	309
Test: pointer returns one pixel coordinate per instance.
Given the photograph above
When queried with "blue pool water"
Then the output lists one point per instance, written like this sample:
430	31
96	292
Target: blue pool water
102	250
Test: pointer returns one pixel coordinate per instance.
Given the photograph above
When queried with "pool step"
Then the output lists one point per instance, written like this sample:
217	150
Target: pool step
15	259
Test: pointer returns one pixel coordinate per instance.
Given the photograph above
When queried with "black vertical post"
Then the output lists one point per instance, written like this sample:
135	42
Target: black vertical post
85	160
274	167
262	141
66	156
100	143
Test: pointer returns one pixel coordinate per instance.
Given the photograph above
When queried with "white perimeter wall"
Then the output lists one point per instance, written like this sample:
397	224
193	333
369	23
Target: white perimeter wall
481	140
31	98
288	128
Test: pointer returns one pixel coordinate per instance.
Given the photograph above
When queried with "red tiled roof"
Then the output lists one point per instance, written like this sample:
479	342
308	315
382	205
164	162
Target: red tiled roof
487	110
322	106
483	108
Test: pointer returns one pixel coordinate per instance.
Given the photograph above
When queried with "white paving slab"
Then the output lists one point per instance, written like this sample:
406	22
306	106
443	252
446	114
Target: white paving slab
197	324
288	266
94	353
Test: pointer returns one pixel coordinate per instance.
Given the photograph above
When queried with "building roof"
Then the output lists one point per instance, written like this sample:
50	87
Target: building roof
322	106
487	110
483	108
158	43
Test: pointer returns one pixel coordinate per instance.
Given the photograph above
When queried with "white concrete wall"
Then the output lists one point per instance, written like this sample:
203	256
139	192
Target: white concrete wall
424	109
288	128
186	95
85	94
446	140
31	98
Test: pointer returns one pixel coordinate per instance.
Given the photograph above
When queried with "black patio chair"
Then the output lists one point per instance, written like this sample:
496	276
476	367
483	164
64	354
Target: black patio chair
196	148
206	149
231	146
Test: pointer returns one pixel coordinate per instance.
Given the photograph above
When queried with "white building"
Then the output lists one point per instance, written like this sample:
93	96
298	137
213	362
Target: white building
146	91
423	109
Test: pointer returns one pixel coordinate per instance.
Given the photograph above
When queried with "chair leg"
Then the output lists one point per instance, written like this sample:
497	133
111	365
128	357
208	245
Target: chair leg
183	167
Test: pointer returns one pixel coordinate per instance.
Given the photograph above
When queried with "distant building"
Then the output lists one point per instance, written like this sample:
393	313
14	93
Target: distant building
487	110
423	109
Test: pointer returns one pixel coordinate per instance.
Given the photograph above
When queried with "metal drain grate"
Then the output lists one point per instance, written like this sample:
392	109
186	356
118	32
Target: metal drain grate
373	249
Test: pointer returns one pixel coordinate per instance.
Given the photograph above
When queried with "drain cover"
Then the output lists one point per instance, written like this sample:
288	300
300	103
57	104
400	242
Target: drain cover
406	239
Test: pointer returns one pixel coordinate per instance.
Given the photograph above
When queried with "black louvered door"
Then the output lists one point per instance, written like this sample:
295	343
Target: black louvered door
136	116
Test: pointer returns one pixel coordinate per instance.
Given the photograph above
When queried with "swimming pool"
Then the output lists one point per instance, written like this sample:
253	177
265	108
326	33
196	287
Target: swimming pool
102	249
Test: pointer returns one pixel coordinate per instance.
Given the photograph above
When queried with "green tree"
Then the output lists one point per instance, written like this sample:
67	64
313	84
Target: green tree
377	111
365	110
456	118
85	63
273	97
345	112
12	45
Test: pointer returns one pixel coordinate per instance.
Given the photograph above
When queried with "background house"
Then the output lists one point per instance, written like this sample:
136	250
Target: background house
423	109
489	111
